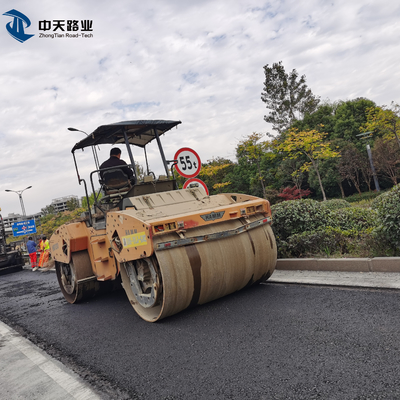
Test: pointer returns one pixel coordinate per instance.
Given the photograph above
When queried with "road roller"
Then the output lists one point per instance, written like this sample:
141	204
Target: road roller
169	248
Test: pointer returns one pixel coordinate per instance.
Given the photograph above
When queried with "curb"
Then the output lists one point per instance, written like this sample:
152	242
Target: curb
377	264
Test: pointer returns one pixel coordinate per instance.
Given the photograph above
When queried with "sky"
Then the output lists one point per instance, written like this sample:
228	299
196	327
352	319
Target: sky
197	61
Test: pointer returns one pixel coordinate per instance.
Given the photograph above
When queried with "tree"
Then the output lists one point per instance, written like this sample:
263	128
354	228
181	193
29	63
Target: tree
323	115
385	121
366	170
51	222
311	144
91	200
72	204
386	157
48	210
350	165
330	177
289	171
214	173
350	116
287	96
252	149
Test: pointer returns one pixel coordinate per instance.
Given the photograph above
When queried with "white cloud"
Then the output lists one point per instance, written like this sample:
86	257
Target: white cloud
200	62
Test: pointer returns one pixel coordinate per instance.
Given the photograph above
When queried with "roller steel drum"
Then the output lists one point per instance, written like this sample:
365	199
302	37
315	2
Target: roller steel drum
182	277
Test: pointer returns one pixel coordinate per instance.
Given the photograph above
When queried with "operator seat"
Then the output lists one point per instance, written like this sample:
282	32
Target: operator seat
115	181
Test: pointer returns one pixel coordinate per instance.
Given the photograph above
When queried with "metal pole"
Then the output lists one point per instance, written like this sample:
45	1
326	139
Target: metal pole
147	163
161	151
366	135
19	193
95	156
373	169
128	146
22	204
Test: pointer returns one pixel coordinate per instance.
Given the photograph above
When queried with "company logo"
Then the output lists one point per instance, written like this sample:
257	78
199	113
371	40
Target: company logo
58	28
16	27
70	28
213	216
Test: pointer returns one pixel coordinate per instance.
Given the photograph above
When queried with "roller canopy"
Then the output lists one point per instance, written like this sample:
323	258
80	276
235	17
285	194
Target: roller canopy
139	133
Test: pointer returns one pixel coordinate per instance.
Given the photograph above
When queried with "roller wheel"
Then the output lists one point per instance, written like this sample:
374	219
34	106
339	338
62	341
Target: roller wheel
141	280
68	276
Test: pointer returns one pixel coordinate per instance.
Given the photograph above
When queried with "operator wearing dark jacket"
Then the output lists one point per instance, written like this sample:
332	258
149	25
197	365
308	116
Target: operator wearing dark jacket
115	161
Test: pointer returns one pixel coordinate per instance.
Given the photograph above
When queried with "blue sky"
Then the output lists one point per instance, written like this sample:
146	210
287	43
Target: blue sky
200	62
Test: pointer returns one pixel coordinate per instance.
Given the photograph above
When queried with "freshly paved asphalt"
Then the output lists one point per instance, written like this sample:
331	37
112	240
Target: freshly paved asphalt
27	372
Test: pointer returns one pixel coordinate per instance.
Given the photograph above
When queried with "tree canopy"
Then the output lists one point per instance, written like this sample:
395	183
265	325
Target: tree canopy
385	121
287	96
310	143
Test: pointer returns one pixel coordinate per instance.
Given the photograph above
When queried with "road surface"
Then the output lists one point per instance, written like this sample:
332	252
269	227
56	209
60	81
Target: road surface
271	341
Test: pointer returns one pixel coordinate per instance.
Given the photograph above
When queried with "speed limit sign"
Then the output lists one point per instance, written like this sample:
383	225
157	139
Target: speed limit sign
194	182
188	162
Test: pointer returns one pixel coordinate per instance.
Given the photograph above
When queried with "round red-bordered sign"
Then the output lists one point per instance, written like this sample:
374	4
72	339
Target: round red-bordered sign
189	182
188	162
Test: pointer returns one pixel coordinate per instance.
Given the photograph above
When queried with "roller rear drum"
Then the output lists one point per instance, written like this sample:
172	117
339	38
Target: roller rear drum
77	281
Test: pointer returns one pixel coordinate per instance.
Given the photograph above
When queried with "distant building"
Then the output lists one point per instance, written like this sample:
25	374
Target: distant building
11	218
60	204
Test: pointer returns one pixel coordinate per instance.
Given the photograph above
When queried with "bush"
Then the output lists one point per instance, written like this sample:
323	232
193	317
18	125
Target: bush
292	193
335	204
334	242
307	228
387	206
355	198
355	218
324	242
297	216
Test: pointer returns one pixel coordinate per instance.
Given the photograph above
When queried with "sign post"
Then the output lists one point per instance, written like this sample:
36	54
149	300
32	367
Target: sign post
188	165
195	182
22	228
188	162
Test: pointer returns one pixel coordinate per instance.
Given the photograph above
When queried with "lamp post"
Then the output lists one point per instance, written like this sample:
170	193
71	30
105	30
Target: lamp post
363	136
96	159
19	193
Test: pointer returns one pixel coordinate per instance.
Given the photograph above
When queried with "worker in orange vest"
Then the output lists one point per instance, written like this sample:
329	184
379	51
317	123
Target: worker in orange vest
45	251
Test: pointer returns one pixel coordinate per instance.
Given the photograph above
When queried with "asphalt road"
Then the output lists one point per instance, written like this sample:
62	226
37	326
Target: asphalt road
271	341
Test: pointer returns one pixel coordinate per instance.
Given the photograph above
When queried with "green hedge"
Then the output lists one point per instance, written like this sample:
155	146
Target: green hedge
297	216
308	228
358	219
355	198
325	242
387	206
335	204
334	242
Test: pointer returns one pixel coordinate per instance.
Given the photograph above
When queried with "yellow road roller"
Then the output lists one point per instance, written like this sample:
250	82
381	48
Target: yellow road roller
171	249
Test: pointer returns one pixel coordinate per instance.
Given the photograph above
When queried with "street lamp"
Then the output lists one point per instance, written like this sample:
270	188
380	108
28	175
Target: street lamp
96	159
19	193
364	136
